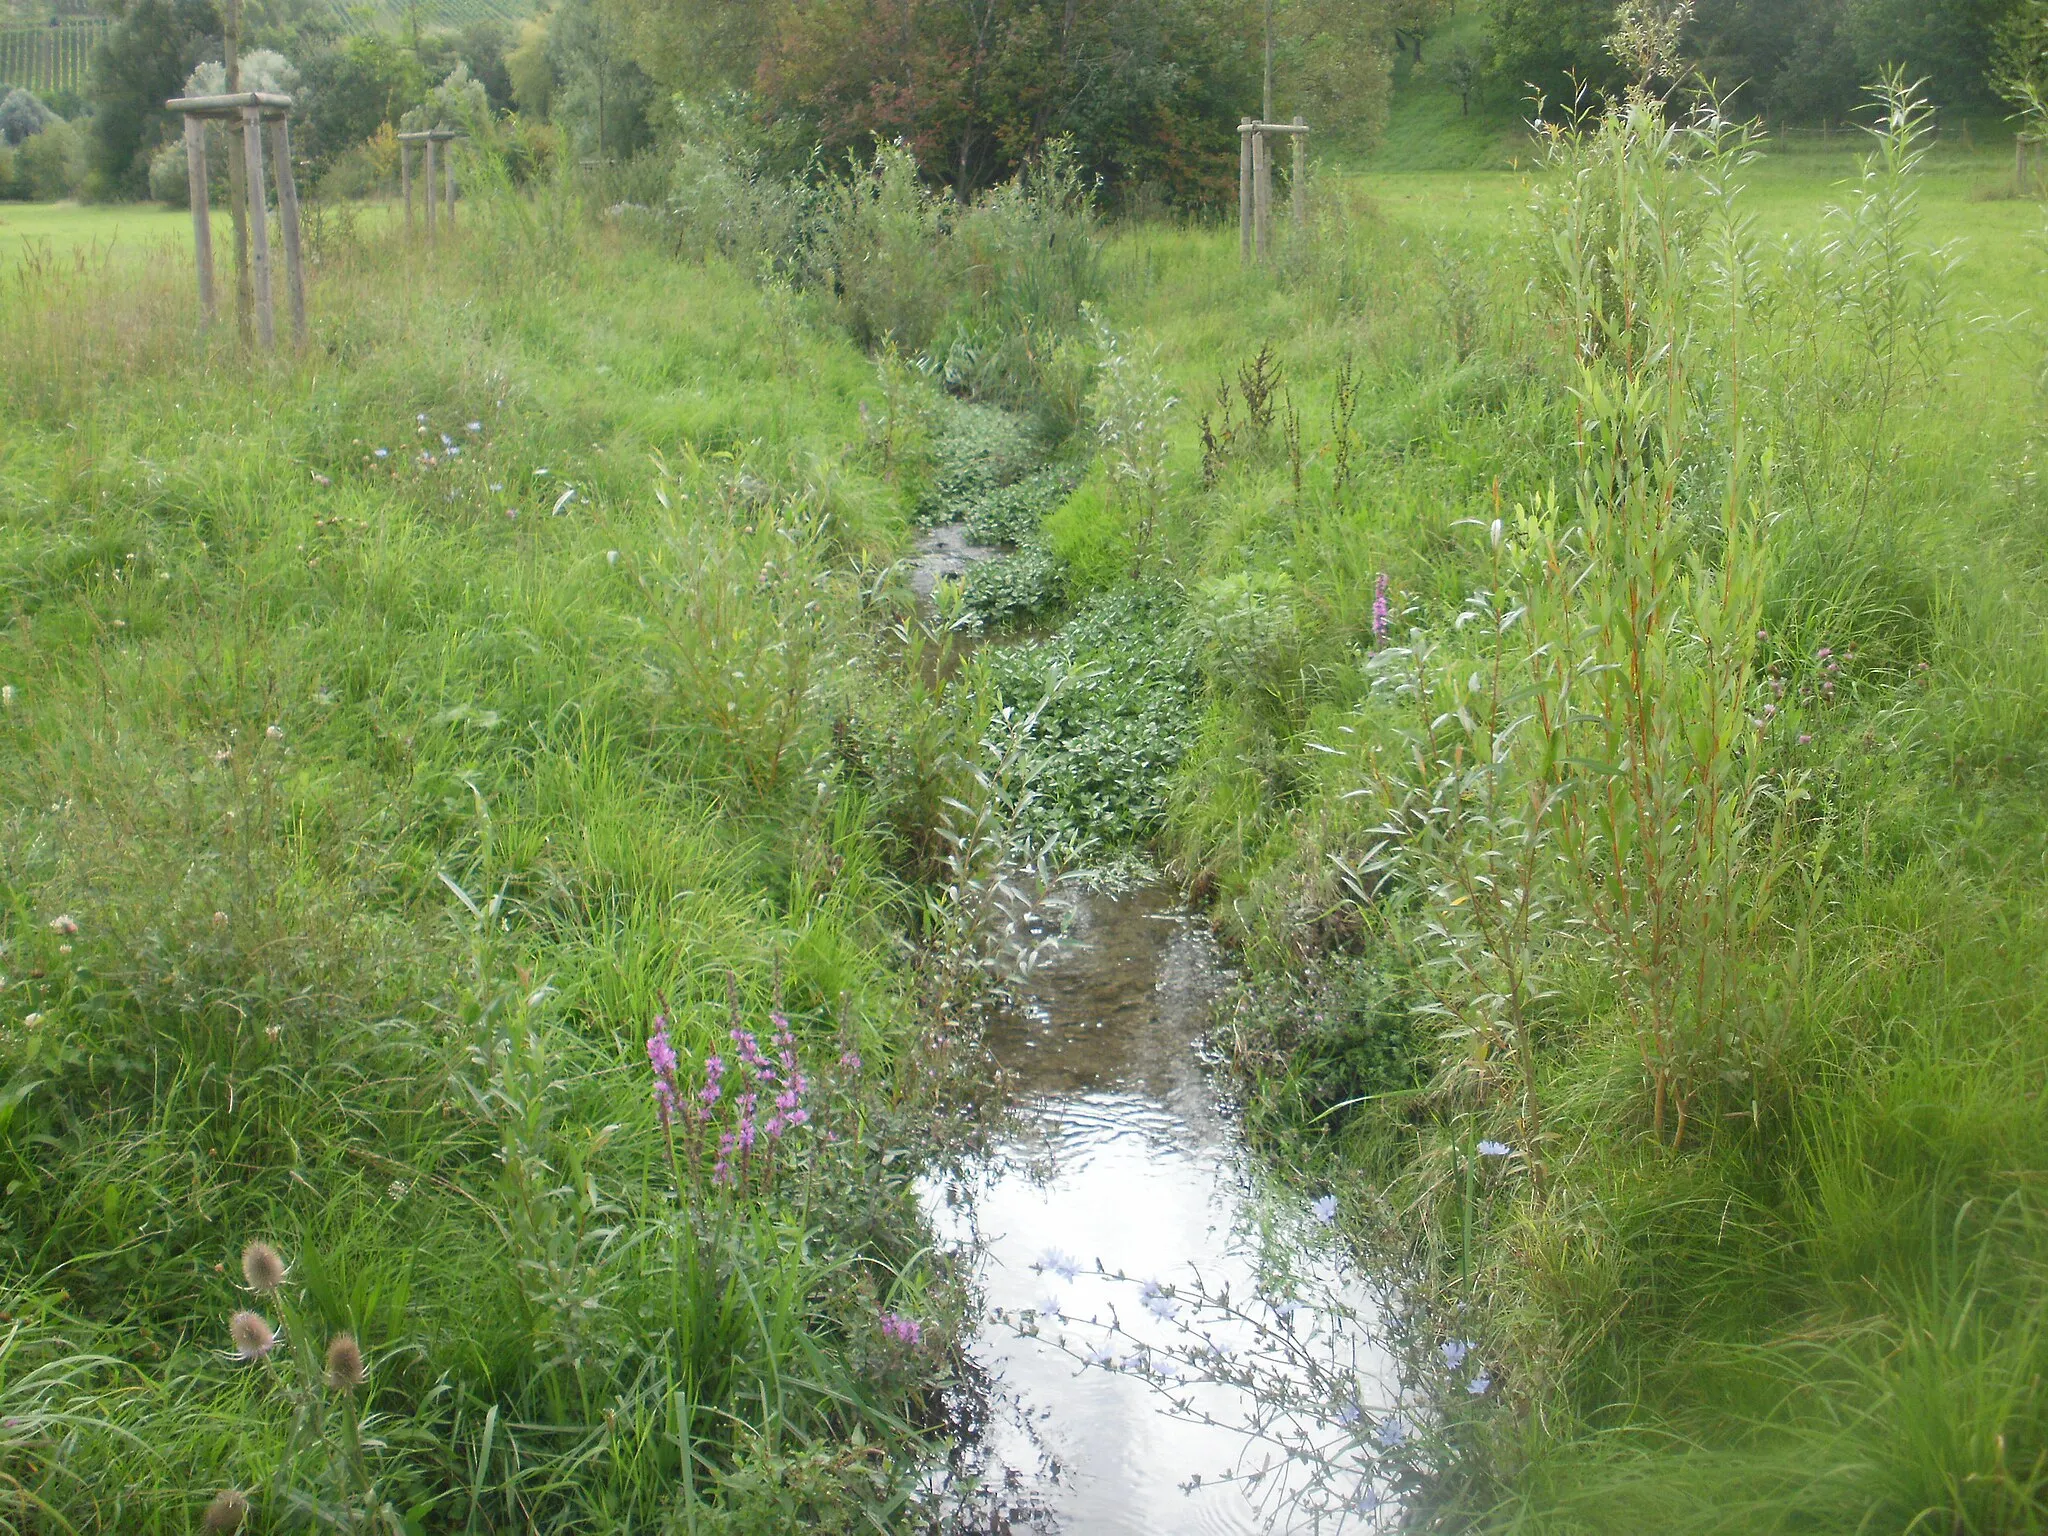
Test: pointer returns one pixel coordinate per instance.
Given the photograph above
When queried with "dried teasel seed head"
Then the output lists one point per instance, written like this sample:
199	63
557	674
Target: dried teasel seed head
227	1512
262	1267
254	1338
344	1363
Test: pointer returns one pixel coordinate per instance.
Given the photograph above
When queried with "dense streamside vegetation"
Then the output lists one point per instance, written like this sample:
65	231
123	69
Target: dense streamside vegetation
496	857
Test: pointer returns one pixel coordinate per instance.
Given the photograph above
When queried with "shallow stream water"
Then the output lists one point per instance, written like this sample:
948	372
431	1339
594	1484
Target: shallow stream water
1123	1158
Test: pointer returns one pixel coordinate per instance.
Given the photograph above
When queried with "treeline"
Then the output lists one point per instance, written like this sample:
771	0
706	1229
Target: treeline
1785	60
1147	92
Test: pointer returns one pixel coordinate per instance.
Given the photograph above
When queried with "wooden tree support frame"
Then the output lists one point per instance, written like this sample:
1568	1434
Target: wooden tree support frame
1255	184
254	116
427	139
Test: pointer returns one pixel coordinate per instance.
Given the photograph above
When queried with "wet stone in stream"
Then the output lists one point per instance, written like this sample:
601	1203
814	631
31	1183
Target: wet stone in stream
1124	1159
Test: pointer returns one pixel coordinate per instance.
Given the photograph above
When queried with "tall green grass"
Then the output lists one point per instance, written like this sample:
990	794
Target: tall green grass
391	733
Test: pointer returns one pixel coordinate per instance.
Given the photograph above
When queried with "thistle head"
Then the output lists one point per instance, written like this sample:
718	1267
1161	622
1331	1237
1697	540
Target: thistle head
228	1511
254	1338
262	1267
344	1363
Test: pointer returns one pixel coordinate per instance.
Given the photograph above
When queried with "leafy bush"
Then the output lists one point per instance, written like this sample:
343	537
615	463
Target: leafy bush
22	117
1124	695
999	592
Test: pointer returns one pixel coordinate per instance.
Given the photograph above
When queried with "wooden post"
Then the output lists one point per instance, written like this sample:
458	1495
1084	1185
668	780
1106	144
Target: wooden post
1244	190
288	222
429	143
1297	191
1262	193
405	182
448	175
202	216
259	225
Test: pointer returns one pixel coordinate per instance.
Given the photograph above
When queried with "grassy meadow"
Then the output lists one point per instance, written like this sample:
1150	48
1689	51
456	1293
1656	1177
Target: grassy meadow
391	735
1577	630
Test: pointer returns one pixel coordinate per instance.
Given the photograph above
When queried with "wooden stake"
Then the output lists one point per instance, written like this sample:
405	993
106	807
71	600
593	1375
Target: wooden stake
1262	194
405	182
259	224
202	216
448	175
430	187
288	222
1244	190
1298	187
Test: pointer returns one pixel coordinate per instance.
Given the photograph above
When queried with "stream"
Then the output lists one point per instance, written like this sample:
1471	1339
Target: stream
1122	1156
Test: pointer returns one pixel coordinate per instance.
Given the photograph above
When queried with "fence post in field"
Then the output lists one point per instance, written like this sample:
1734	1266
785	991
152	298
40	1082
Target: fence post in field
1297	189
1262	194
288	218
430	187
438	190
202	215
405	182
259	226
1244	189
448	175
256	114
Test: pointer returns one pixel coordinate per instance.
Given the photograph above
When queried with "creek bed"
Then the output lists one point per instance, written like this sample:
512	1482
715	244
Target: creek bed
1123	1165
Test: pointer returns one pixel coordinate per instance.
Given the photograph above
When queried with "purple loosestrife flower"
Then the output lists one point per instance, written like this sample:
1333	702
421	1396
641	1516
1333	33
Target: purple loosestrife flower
714	1086
662	1055
1379	609
904	1330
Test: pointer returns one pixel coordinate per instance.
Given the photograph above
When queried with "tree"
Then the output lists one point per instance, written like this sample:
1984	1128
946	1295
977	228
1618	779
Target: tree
143	61
354	89
1461	74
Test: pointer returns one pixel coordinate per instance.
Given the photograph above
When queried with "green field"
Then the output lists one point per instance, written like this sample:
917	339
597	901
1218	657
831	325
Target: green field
1639	910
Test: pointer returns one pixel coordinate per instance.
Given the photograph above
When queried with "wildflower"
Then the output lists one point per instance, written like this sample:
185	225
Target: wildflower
227	1512
904	1330
447	441
344	1363
262	1267
32	1021
714	1085
1349	1414
1054	1261
1479	1385
663	1057
1805	739
274	732
220	919
64	923
1379	609
1454	1352
1284	1309
511	514
1393	1431
850	1060
1102	1355
1495	1149
1365	1502
254	1338
6	693
1159	1301
320	479
383	453
611	557
1325	1209
1048	1305
422	418
476	426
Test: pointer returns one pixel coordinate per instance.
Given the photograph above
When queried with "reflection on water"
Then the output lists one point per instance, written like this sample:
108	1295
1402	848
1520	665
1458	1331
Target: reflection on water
1124	1160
